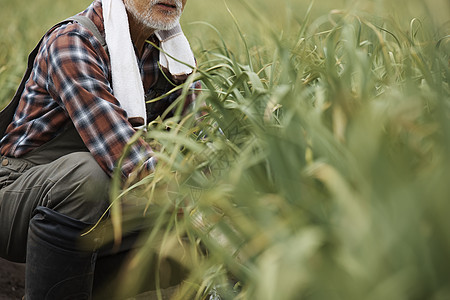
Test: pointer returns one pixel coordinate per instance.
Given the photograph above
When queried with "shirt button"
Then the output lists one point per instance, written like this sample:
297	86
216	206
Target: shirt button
5	162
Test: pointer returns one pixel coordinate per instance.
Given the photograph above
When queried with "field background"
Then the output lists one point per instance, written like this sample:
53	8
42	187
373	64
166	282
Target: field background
23	22
321	167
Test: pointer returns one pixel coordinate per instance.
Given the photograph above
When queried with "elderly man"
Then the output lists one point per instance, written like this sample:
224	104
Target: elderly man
78	106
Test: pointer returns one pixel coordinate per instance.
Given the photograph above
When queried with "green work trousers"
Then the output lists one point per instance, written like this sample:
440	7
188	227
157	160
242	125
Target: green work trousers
73	185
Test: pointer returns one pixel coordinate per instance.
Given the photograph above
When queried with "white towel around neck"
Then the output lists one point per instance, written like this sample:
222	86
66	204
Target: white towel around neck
126	78
175	44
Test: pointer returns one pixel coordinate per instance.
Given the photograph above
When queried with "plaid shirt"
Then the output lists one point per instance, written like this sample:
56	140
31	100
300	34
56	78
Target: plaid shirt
71	82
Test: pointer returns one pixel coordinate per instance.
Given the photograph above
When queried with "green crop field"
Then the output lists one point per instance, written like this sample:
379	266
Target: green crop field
320	168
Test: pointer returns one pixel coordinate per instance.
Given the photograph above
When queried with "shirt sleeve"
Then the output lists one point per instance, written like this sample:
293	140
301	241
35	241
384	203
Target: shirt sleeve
78	81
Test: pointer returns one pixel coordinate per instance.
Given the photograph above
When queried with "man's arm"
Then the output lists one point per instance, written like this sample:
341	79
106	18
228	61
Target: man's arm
78	81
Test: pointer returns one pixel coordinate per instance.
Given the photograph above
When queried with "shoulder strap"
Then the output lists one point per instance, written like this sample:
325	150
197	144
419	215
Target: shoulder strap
7	114
90	25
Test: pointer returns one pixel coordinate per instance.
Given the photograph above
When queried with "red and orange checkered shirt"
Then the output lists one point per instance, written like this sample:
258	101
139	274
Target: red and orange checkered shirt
71	82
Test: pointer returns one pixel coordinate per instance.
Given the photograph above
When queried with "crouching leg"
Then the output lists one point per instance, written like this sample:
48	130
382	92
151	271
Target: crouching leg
60	264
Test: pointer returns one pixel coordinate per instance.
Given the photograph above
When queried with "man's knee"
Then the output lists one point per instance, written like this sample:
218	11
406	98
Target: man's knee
80	188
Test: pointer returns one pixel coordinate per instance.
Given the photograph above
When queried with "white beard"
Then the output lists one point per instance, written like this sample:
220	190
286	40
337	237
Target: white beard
145	16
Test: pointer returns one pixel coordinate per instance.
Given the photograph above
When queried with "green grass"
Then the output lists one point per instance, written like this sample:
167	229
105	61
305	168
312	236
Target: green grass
319	169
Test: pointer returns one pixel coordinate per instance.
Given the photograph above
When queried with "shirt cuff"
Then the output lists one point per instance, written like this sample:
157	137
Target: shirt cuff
150	163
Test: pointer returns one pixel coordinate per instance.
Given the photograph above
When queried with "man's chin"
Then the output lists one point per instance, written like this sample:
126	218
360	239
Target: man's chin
163	24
